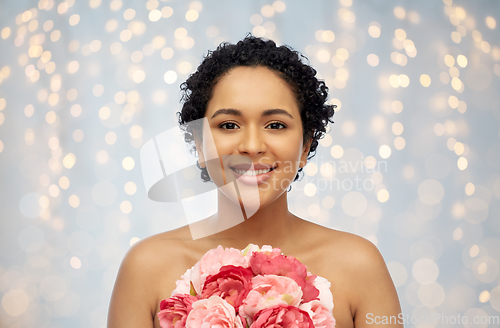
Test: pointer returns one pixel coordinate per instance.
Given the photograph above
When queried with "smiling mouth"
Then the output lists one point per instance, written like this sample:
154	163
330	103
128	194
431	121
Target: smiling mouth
252	172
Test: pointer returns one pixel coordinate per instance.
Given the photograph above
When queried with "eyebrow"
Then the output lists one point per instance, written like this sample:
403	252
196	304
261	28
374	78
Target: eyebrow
236	112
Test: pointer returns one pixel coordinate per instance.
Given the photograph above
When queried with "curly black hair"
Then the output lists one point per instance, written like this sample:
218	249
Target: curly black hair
253	51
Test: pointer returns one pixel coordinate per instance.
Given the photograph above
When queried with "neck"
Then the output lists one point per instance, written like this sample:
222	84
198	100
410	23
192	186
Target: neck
270	225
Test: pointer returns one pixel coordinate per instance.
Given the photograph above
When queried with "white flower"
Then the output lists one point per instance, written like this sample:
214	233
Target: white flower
325	294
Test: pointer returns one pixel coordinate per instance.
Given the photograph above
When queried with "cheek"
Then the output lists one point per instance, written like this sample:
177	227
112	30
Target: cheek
289	154
289	147
216	145
223	144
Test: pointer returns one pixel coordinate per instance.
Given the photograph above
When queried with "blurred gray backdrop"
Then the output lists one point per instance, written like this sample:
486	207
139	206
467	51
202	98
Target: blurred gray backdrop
411	163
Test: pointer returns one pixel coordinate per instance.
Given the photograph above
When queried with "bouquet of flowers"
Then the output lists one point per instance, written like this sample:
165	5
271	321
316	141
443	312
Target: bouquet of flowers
250	288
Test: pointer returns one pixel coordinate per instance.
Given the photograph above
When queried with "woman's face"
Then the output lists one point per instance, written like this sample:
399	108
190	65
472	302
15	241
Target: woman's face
254	118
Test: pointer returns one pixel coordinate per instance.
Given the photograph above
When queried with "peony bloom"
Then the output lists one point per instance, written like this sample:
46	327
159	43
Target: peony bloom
251	248
325	293
183	284
209	264
232	284
247	251
270	249
321	316
282	316
211	312
269	291
265	263
174	310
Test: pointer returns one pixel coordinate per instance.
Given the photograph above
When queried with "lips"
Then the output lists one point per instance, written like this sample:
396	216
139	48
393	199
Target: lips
259	174
252	172
258	168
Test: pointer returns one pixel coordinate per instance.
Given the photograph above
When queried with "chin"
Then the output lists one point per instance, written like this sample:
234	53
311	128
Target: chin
267	197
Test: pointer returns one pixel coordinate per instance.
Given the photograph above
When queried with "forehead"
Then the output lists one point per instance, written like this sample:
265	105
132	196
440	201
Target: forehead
246	87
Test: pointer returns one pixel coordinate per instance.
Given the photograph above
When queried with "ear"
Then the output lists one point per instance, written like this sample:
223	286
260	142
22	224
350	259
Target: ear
199	149
305	152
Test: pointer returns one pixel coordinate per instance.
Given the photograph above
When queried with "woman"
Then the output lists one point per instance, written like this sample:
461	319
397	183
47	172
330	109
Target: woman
263	105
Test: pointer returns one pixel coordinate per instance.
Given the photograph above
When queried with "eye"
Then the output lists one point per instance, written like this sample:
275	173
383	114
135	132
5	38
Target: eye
277	125
228	126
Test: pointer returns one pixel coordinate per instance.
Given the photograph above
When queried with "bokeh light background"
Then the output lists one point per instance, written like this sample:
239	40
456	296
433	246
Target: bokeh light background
84	84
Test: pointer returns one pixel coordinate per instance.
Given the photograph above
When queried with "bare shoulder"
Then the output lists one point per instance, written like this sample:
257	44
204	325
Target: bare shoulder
161	259
152	252
362	260
148	268
358	257
343	256
366	278
344	246
357	250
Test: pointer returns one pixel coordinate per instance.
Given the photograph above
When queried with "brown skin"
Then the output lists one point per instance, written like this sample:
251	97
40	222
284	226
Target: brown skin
360	281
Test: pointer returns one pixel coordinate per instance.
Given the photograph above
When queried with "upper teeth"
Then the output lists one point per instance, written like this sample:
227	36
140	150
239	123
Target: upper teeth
253	173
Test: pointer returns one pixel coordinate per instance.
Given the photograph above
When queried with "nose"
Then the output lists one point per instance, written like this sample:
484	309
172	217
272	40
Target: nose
252	142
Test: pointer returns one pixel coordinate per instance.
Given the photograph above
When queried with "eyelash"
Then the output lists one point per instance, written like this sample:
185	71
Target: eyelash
224	123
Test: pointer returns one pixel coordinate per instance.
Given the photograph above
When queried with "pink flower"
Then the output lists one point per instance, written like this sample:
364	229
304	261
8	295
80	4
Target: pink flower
183	284
209	264
282	316
265	263
211	312
269	291
174	310
232	284
251	248
321	316
325	293
248	251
